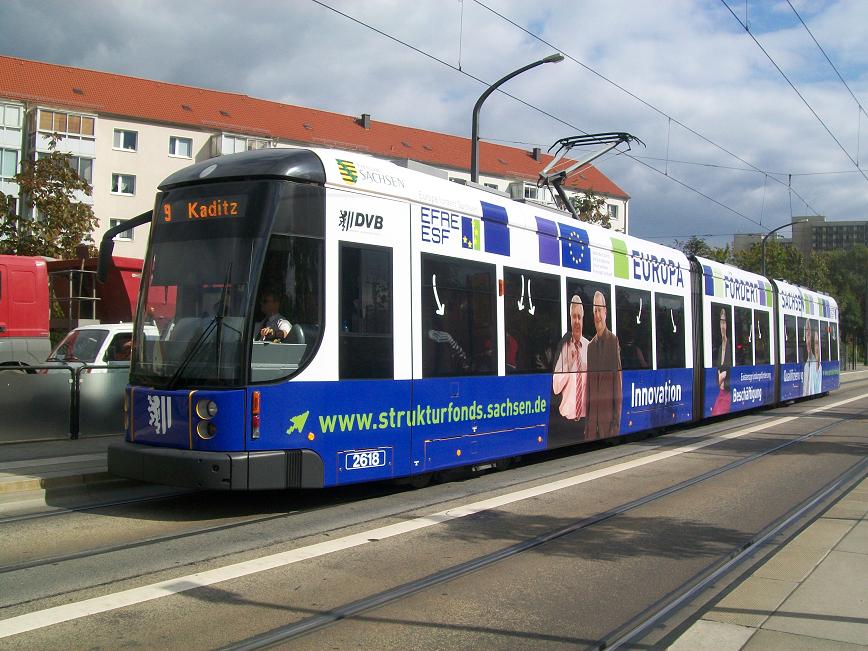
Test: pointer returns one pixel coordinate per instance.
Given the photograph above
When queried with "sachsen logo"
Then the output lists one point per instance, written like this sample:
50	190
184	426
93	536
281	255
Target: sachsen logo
348	170
349	219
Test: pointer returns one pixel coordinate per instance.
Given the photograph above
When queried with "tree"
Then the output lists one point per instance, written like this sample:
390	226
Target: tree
849	282
697	246
782	261
50	184
592	208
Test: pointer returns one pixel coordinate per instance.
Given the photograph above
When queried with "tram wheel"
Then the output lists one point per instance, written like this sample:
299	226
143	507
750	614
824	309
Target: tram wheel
420	481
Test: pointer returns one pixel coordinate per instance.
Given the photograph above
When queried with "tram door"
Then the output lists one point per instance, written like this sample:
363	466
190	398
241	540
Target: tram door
374	331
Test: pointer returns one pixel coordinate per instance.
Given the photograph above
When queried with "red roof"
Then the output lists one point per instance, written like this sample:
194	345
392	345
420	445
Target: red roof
107	93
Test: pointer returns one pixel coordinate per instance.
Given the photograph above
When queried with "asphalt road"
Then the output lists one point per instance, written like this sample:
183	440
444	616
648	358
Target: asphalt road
567	550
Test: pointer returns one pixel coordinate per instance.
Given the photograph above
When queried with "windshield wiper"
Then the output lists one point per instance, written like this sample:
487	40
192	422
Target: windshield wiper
221	312
191	352
216	323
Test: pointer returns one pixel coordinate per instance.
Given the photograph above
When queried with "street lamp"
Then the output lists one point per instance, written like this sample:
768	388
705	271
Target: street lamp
774	230
474	138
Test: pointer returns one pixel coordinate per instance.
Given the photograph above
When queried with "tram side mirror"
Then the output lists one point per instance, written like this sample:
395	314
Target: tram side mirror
106	248
107	244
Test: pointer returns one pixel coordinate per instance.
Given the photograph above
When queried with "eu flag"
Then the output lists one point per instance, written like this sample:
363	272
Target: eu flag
575	250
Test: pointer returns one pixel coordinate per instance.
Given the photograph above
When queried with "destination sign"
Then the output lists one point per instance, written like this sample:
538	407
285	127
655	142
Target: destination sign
204	209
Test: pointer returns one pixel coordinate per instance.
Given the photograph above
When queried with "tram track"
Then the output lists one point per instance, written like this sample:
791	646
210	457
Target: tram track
666	607
321	503
633	628
159	539
211	577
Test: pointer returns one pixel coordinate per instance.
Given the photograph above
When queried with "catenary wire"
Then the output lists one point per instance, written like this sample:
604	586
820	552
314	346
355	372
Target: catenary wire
796	90
428	55
820	47
644	102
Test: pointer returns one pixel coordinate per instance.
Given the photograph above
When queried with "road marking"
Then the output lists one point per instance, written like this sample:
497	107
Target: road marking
133	596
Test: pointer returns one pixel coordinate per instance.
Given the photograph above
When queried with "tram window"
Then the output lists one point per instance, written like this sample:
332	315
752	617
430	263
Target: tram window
366	349
300	210
720	324
833	342
293	273
669	318
812	340
459	333
761	337
743	337
586	291
791	340
633	322
807	340
532	321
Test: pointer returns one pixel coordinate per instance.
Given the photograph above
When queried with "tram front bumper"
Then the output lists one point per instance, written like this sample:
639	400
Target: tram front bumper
272	469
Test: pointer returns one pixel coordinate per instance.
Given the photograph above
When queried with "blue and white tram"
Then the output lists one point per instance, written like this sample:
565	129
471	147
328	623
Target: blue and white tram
418	325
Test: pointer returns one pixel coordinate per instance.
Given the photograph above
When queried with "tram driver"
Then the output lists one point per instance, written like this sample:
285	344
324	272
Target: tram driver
274	326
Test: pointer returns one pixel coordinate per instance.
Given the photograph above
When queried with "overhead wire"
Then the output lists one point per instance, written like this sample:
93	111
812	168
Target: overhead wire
639	99
795	90
820	47
561	120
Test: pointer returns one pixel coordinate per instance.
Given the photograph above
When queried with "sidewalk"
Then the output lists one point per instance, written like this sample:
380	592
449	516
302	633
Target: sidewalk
45	465
812	594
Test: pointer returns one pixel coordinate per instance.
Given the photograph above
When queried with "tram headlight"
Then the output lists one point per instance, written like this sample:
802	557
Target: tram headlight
206	409
206	429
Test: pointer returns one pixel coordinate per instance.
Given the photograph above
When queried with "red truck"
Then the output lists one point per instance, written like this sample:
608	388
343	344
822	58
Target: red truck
29	286
24	333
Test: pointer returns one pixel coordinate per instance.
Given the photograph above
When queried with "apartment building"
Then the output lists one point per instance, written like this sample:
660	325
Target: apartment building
125	135
812	233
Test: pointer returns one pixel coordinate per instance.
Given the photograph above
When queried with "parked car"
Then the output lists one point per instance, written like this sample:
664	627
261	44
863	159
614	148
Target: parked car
106	344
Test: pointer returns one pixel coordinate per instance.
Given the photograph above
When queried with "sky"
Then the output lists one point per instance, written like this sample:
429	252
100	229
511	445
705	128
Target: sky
730	145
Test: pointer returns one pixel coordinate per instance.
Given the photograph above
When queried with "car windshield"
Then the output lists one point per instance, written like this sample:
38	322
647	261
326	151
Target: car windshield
79	346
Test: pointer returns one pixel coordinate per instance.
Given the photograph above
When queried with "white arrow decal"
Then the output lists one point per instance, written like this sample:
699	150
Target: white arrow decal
441	308
531	307
520	301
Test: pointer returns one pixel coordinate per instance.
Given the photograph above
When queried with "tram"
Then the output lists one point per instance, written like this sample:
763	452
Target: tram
328	318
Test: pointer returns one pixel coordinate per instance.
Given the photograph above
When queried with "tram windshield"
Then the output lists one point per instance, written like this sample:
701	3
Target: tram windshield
201	283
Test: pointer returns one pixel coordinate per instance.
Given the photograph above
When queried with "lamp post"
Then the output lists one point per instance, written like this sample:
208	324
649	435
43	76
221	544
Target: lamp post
474	138
774	230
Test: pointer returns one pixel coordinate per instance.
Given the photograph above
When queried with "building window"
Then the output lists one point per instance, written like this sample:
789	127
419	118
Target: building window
530	192
235	144
613	212
493	186
10	116
126	140
83	166
124	235
123	184
8	163
181	147
66	123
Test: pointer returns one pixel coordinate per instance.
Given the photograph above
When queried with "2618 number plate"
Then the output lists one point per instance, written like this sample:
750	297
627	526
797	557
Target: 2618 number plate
365	459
